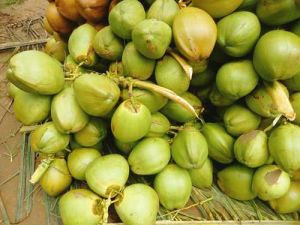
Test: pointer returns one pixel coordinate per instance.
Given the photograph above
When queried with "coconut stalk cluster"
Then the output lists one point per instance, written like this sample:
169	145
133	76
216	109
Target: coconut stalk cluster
177	93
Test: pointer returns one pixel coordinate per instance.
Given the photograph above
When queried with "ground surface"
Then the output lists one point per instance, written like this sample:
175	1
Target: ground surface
11	18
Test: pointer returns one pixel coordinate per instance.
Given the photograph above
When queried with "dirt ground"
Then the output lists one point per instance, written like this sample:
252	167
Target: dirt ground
12	29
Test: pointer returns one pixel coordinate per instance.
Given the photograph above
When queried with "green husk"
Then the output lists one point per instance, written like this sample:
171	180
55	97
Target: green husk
160	125
66	113
220	143
235	181
149	156
135	64
177	112
47	139
36	72
107	45
277	12
31	108
57	178
131	121
284	147
170	74
238	33
152	100
276	55
180	182
94	132
164	10
125	16
138	205
107	175
189	148
251	149
96	94
238	120
152	38
203	176
80	45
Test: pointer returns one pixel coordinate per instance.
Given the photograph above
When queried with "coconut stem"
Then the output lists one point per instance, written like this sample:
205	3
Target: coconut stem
273	124
166	93
126	81
105	205
41	169
280	99
188	69
130	87
25	129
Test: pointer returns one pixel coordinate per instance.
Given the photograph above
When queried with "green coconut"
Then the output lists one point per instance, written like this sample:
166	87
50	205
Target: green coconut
236	79
295	101
131	121
251	149
67	115
288	203
96	94
125	147
139	205
79	159
219	100
13	90
30	108
36	72
170	74
152	37
197	40
160	125
198	66
125	16
80	206
173	186
80	45
47	139
94	132
293	84
217	8
202	79
238	33
235	181
270	182
71	66
75	145
276	55
57	178
164	10
261	102
239	120
107	45
107	175
220	143
248	5
56	49
284	146
152	100
116	68
135	64
277	12
177	112
189	148
149	156
203	176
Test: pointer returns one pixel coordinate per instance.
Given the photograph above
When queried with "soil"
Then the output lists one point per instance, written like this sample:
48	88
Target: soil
12	28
